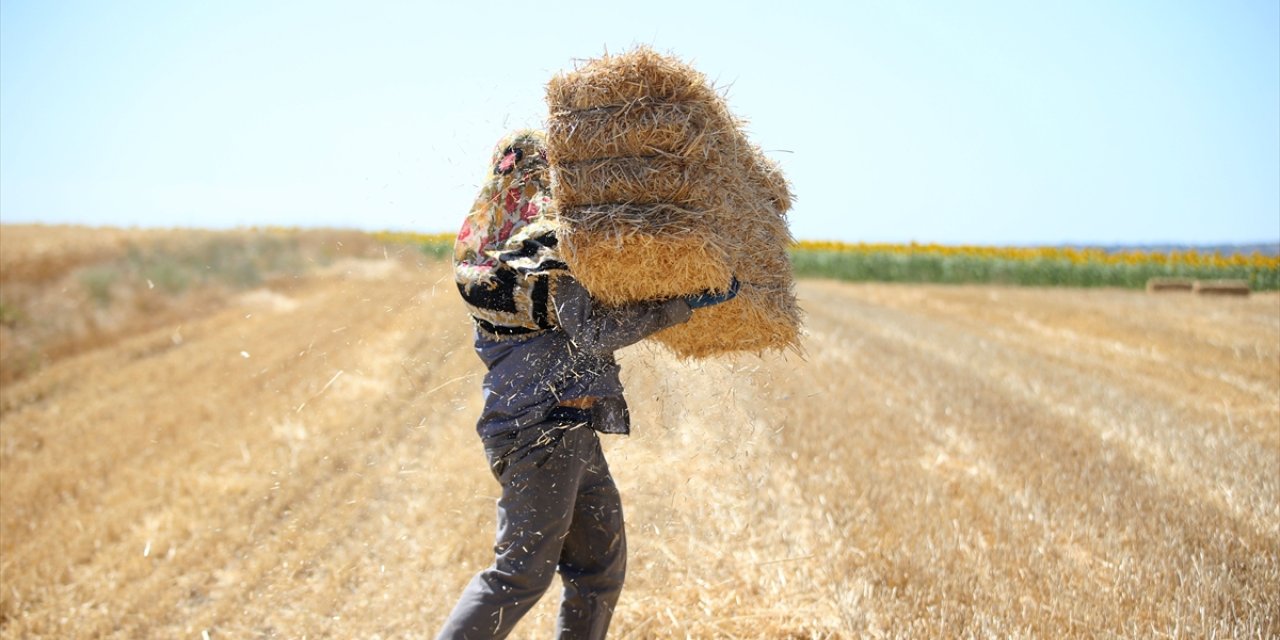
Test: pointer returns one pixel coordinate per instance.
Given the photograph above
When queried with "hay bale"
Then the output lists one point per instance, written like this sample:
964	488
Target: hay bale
630	180
1157	285
766	172
661	194
1221	287
640	76
618	265
765	315
642	129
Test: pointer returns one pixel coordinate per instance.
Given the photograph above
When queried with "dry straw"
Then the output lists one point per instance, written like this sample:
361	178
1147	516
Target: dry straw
661	195
633	180
641	129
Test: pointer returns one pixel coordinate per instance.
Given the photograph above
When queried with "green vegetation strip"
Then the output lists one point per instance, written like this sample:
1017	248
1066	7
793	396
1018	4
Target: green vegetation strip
965	269
1000	266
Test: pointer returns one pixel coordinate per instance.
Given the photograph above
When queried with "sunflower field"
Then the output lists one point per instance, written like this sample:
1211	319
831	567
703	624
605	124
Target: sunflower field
960	264
1033	266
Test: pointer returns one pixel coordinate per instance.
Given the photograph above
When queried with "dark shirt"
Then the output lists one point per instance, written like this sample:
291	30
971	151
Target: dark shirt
528	377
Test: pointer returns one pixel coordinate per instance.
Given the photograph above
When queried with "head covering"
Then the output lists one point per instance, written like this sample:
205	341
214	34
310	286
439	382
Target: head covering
505	258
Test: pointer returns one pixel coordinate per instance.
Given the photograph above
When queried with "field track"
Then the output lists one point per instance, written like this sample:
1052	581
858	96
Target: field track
945	462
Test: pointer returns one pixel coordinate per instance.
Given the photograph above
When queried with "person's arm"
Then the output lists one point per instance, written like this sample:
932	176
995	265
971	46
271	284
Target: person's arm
603	330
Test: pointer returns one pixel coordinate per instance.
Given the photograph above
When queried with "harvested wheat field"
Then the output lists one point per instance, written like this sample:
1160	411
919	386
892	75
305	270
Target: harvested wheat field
300	462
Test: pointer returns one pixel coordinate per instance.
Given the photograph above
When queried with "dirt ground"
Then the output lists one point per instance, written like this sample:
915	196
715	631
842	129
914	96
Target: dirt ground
945	462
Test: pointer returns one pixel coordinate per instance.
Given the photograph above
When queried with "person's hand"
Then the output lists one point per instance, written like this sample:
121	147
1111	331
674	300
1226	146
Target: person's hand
708	298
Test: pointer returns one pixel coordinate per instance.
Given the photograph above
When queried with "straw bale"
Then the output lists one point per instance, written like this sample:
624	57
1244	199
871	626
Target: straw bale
640	129
633	180
767	173
764	316
770	321
1222	287
662	195
638	76
1157	285
612	245
626	267
623	219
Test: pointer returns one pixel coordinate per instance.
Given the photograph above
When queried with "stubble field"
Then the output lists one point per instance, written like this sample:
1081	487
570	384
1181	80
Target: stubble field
946	461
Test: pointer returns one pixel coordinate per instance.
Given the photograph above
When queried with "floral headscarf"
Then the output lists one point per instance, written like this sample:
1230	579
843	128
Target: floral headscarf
505	258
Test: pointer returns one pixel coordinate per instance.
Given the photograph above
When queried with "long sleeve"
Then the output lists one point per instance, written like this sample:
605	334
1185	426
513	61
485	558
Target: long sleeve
528	377
602	330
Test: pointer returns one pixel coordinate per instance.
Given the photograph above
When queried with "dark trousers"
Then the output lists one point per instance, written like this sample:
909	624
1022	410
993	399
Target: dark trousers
559	511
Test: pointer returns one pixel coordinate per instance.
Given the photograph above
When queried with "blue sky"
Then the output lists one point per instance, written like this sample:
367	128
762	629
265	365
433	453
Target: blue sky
976	122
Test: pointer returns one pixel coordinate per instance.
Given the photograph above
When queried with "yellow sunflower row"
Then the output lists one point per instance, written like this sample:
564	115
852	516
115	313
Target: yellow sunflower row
1188	257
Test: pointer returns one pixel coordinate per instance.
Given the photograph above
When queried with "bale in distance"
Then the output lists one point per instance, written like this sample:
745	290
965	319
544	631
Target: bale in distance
1221	287
1158	285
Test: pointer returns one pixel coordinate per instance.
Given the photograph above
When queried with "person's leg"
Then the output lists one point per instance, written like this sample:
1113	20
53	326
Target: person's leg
593	560
540	474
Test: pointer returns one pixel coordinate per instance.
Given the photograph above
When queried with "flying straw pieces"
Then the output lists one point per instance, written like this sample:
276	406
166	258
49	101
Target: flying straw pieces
661	194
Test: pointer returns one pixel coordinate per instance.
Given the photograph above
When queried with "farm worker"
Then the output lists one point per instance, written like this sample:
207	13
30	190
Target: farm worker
552	385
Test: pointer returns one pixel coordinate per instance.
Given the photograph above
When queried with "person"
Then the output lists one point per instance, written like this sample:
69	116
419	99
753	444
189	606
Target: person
552	385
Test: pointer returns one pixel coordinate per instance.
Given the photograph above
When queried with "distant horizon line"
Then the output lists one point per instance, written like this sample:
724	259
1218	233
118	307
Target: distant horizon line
1271	246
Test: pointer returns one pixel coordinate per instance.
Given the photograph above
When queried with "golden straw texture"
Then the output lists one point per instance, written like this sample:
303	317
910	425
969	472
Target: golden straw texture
639	129
631	180
661	194
641	75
